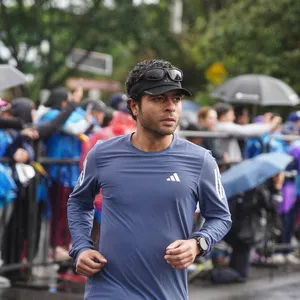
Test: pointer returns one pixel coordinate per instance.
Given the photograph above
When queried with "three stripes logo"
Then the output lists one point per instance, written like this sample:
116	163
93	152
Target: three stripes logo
174	177
82	175
218	184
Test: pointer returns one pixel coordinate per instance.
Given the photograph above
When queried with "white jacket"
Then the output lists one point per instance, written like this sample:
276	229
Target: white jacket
231	145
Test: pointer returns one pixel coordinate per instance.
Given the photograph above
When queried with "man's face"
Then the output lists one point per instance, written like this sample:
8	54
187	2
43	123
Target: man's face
210	120
6	114
244	118
160	114
229	116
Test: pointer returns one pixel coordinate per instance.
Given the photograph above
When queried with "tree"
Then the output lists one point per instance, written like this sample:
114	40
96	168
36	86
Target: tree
261	36
48	34
128	32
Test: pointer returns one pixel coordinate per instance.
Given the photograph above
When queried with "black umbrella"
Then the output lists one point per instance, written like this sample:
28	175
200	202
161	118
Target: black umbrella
10	77
256	89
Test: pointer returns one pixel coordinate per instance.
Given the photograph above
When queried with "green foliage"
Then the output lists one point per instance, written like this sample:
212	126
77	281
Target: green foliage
27	26
247	36
128	32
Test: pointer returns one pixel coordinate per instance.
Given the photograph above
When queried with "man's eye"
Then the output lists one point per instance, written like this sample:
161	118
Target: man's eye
178	98
158	99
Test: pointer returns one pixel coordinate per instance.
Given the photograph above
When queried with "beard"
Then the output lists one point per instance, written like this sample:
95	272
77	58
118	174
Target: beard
155	127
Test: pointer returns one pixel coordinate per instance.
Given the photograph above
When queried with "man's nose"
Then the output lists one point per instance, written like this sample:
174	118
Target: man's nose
170	105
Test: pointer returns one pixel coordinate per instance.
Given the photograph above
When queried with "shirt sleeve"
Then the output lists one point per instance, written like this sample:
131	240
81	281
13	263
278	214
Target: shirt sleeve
77	128
81	206
244	130
213	204
12	123
47	128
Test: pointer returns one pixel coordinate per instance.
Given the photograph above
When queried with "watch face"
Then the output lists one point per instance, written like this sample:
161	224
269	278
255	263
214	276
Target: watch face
203	244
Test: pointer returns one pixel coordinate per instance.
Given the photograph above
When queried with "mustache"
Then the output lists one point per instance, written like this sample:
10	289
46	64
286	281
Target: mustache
171	118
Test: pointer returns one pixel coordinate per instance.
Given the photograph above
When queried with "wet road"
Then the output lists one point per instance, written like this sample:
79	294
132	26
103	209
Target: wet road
284	286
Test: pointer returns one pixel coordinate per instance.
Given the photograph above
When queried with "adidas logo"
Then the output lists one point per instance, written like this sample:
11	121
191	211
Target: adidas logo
174	177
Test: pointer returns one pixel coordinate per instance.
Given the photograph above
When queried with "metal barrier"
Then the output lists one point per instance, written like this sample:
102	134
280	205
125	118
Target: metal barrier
221	135
26	241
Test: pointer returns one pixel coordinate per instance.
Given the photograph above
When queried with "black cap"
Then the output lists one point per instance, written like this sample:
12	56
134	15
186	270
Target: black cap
21	108
118	101
156	87
57	96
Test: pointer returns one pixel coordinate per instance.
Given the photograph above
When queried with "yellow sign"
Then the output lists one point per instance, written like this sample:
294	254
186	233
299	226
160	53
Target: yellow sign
216	73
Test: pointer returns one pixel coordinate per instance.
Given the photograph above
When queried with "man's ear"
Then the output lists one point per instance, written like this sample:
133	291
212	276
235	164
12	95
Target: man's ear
133	106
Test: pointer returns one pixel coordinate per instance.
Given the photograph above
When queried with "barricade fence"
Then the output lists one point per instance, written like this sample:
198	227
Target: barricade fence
30	225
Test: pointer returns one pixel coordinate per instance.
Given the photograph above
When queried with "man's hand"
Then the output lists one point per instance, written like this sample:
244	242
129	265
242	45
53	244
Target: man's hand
31	133
86	263
278	180
275	122
181	253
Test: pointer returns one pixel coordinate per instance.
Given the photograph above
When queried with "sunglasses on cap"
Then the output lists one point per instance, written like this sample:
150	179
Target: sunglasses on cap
159	73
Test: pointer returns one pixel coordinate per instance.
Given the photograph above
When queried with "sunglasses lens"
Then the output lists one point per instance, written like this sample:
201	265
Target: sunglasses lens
175	75
159	73
155	74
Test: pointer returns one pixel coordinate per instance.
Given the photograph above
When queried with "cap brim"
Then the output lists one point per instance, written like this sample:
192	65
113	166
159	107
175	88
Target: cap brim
166	88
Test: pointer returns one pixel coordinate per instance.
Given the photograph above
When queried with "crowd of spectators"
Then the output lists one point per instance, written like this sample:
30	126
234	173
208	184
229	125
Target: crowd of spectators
274	203
66	127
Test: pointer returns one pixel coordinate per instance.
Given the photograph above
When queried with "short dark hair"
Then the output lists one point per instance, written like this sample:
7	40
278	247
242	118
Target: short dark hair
108	116
239	110
135	75
56	97
222	109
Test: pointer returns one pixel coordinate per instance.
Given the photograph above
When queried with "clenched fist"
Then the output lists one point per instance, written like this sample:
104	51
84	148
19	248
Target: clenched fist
90	262
181	253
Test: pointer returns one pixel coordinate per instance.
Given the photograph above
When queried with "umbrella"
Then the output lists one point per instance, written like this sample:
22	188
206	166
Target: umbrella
256	89
253	172
10	77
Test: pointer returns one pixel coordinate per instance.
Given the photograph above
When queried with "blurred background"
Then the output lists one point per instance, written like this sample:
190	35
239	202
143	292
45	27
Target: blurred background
63	65
211	40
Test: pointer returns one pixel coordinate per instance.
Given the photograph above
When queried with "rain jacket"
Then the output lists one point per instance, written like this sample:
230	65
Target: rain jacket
63	145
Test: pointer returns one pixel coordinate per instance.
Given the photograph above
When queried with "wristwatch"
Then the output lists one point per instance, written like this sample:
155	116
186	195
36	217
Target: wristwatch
202	244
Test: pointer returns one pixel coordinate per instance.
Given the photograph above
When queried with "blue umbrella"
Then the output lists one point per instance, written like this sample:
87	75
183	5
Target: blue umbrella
253	172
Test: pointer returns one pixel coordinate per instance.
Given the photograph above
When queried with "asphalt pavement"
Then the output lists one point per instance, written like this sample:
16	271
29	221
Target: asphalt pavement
283	287
263	284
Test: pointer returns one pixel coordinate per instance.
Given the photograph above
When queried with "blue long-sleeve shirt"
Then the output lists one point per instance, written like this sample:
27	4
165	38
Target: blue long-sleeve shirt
149	199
